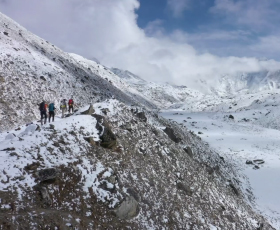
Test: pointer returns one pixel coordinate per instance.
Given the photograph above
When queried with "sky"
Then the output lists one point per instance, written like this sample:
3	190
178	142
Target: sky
179	41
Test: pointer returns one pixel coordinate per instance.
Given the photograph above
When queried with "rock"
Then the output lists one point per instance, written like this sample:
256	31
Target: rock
126	126
260	226
19	178
141	116
200	132
18	129
13	154
234	189
188	150
43	78
185	188
248	162
107	137
47	174
89	111
38	128
105	111
44	193
32	166
56	144
258	161
51	126
90	140
133	193
256	167
127	209
171	134
231	117
9	149
210	170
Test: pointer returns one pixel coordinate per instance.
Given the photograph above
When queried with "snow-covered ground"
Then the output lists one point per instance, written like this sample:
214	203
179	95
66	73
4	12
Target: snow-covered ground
23	143
242	141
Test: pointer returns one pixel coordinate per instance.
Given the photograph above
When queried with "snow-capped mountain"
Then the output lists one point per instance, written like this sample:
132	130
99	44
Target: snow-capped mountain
113	165
163	95
247	83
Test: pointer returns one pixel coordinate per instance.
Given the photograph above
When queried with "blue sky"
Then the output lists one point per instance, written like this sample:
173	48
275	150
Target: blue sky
189	18
180	41
222	27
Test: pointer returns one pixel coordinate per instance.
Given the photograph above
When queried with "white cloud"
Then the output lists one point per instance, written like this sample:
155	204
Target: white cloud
177	7
108	31
267	45
255	14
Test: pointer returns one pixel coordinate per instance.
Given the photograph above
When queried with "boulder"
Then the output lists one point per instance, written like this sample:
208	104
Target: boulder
188	150
141	116
258	161
8	149
32	166
90	140
185	188
47	174
126	126
44	193
234	189
171	134
89	111
231	117
106	135
127	209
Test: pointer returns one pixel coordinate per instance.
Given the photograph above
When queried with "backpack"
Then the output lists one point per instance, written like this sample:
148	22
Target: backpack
51	107
42	107
63	104
71	102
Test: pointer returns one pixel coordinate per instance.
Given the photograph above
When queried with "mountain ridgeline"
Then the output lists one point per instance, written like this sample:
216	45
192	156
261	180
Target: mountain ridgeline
114	163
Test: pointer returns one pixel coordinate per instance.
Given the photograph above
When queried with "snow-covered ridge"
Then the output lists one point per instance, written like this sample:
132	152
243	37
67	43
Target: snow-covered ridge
164	95
32	69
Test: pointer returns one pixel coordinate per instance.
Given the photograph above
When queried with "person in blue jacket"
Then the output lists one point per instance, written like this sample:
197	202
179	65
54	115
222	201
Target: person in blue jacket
51	111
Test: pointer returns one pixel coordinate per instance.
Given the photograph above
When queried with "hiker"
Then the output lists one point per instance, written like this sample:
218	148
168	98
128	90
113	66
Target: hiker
70	105
43	111
63	107
51	112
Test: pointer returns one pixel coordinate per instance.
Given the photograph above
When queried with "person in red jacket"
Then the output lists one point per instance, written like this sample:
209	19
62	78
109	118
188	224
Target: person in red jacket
71	105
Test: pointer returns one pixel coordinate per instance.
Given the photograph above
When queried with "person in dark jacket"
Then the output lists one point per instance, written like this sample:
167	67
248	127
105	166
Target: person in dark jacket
51	111
43	111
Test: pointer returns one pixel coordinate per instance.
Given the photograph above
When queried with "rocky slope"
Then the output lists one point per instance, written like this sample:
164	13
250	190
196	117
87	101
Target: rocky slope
83	172
32	69
117	165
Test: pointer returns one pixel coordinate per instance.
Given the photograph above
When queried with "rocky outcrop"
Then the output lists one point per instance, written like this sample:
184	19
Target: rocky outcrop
46	174
171	134
89	111
127	209
106	135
